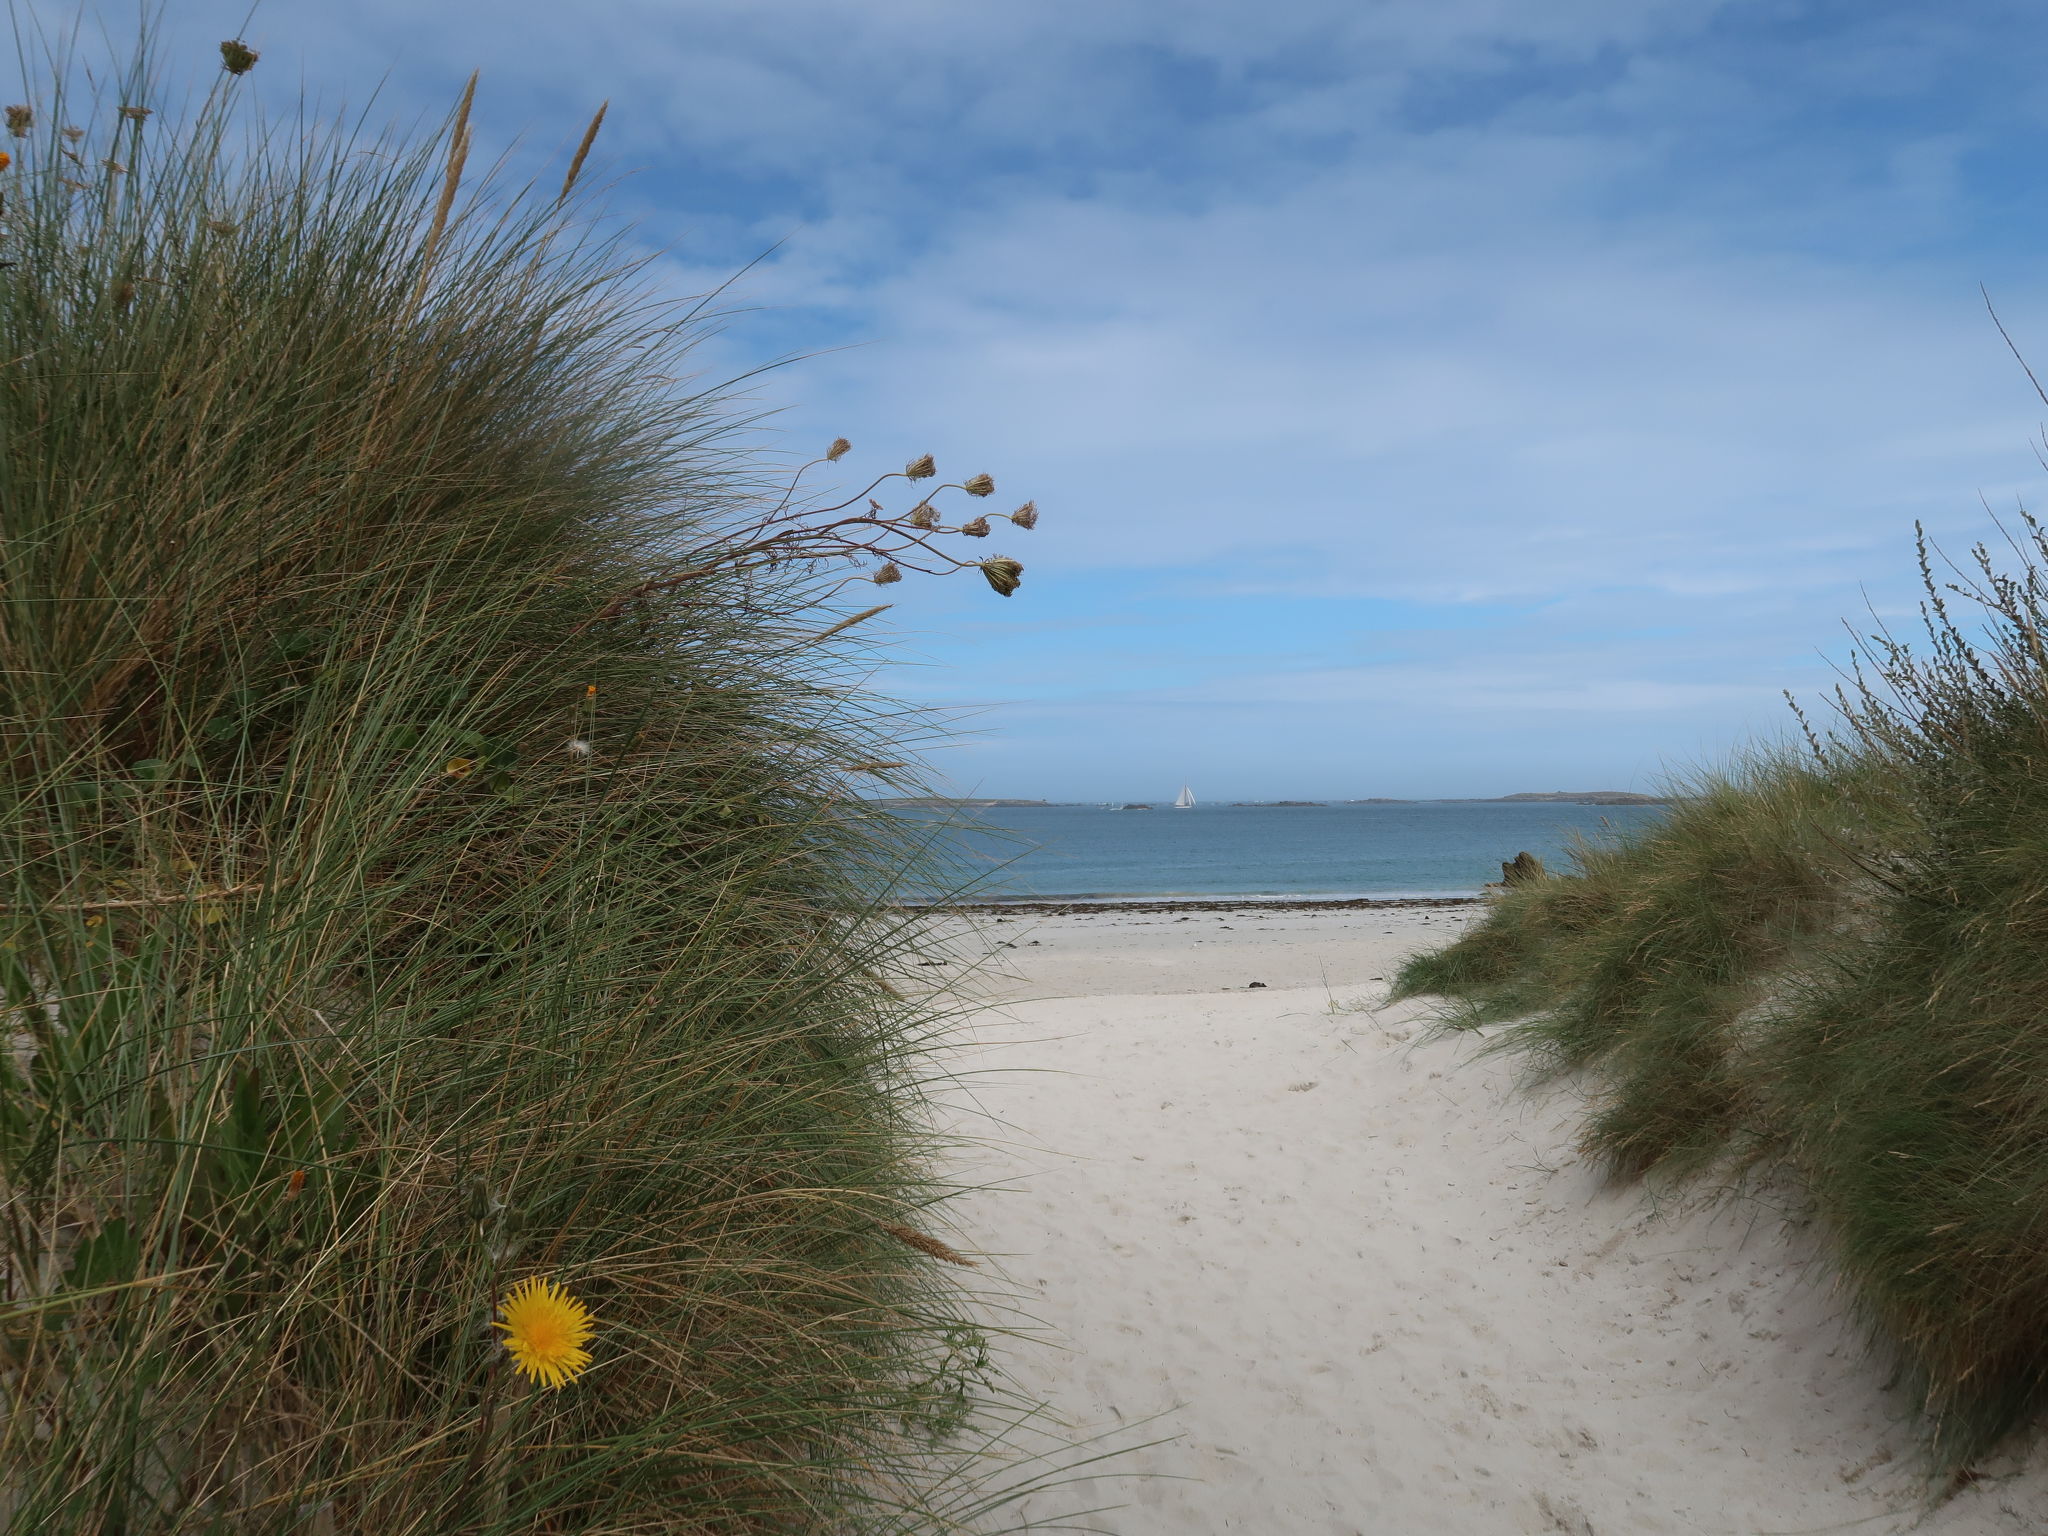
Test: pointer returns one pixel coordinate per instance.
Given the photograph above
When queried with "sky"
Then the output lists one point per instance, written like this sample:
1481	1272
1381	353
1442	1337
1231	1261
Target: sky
1422	397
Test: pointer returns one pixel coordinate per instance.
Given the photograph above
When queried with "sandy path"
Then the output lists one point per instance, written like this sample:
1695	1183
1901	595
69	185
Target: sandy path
1369	1287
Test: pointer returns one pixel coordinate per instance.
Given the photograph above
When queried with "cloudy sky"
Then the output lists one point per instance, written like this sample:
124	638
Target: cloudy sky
1423	397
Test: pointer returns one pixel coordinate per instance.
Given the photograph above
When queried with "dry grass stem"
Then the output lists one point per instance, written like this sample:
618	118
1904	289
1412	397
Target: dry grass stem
582	151
924	1243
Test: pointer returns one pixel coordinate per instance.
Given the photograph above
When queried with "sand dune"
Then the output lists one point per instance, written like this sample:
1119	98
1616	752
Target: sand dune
1367	1284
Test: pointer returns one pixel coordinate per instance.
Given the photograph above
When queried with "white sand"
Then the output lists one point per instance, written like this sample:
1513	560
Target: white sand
1366	1282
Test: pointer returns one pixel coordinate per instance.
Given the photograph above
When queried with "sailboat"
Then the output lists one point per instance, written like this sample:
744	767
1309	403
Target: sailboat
1186	802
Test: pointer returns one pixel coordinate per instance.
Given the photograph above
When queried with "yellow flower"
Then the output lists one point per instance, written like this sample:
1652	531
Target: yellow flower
545	1330
458	767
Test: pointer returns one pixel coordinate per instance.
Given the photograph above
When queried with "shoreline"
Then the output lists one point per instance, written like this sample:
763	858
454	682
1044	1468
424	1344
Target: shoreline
1064	906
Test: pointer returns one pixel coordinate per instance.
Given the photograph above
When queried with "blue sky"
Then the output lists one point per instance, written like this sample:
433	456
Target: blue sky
1430	397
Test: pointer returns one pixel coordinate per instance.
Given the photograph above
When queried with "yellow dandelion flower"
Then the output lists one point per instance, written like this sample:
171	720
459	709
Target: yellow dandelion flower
459	767
545	1330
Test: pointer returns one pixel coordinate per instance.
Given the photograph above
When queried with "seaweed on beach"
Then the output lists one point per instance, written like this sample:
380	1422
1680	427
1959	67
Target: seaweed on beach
1832	963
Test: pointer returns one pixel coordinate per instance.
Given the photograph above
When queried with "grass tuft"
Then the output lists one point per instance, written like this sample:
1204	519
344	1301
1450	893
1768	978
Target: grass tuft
380	930
1831	964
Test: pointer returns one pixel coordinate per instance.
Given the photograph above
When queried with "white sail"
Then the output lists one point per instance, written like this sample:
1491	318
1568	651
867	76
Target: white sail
1186	802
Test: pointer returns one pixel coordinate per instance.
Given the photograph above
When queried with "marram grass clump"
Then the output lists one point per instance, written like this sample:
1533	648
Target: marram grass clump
436	890
1832	966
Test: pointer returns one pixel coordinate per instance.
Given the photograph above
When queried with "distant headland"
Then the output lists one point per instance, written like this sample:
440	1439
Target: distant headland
951	802
1572	797
1527	797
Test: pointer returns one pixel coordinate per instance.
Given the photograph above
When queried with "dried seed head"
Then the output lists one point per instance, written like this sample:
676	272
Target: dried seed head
1026	516
923	516
980	485
124	295
221	226
237	57
136	114
978	529
74	134
1003	574
115	166
20	120
920	469
924	1242
840	449
887	574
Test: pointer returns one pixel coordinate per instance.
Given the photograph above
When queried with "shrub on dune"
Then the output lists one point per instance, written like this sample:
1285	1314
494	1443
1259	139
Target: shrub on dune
1831	964
435	888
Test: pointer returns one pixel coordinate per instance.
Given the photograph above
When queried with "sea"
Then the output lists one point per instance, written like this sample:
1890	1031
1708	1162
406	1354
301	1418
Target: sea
1418	848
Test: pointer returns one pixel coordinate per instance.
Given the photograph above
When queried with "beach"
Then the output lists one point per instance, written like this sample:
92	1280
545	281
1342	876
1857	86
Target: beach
1356	1278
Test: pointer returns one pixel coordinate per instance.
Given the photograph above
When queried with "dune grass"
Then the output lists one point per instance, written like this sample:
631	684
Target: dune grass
378	931
1834	964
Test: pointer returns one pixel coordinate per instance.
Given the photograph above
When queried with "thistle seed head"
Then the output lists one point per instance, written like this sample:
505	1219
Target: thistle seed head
20	120
577	748
840	449
920	469
980	485
978	529
237	57
887	574
1003	574
1026	516
923	516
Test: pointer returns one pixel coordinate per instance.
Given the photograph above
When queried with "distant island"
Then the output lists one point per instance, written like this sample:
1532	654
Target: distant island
1238	804
1583	797
949	802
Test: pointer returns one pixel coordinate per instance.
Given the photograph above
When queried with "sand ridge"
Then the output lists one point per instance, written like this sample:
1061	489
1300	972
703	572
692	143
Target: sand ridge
1367	1282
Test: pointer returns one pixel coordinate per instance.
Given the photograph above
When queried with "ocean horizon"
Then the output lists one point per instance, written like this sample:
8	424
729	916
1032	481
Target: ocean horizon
1424	848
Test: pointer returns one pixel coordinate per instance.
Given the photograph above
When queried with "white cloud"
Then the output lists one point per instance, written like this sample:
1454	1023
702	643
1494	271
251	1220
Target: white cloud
1578	304
1480	418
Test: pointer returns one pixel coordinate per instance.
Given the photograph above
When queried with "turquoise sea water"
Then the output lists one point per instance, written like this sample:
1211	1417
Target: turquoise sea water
1428	848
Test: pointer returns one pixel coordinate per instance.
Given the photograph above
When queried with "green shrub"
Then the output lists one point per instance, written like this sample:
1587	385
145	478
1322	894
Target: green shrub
1836	966
392	911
